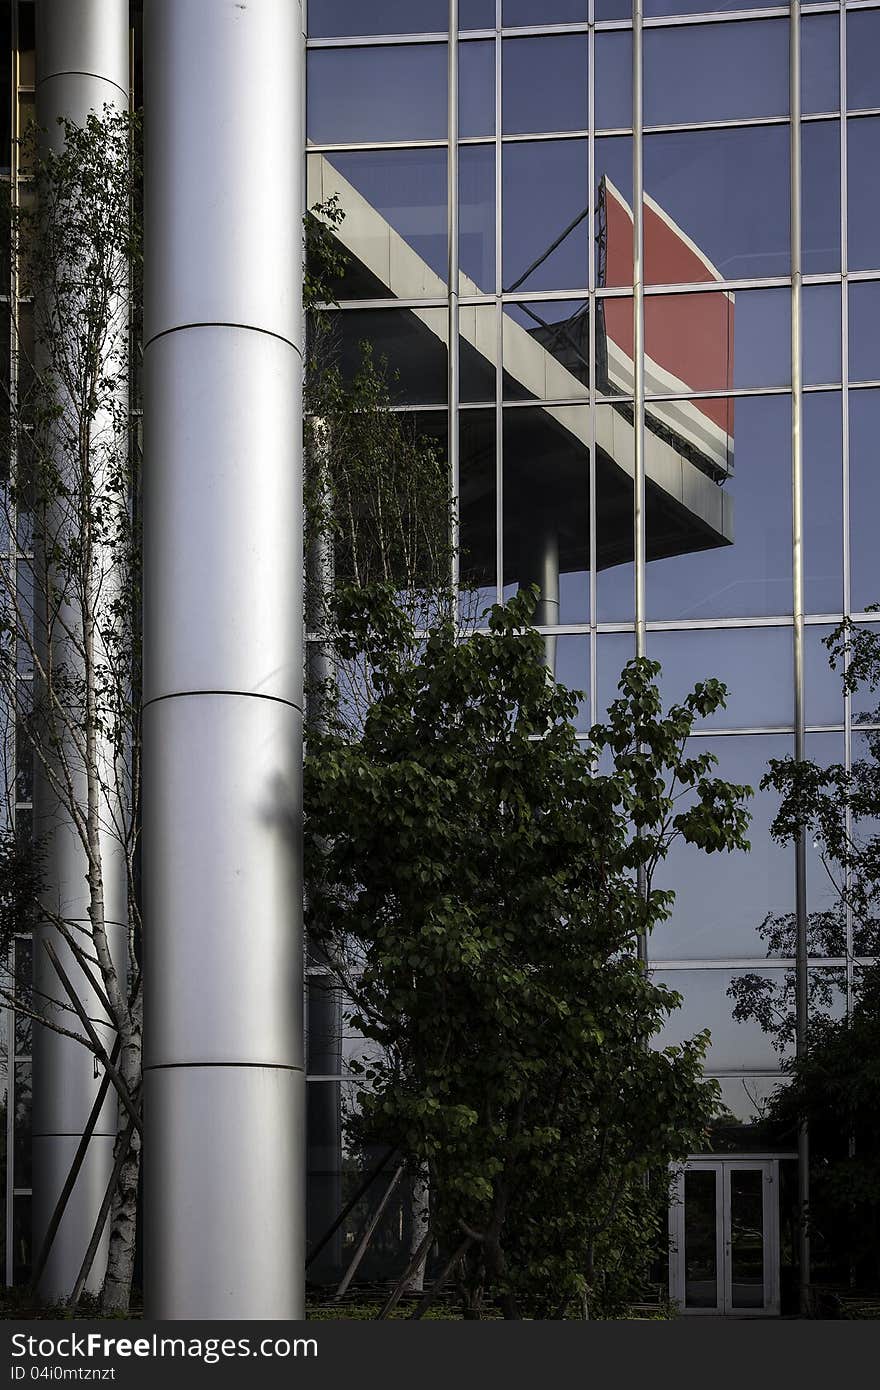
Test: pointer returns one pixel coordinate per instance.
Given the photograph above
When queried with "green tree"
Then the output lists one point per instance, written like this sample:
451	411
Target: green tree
474	872
836	1084
839	809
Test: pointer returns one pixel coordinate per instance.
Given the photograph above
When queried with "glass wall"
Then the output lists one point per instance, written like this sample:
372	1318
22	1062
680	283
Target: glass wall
16	347
549	410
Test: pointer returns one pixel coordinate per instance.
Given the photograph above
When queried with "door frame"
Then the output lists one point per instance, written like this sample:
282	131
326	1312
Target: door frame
723	1166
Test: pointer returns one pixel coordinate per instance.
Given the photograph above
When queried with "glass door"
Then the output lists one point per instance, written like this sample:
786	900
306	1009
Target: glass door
724	1237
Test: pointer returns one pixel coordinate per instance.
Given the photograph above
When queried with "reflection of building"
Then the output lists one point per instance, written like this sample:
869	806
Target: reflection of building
689	448
550	419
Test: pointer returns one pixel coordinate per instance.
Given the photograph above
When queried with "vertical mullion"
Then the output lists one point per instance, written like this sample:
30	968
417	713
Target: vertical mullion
638	196
593	338
499	325
453	389
638	192
801	945
844	419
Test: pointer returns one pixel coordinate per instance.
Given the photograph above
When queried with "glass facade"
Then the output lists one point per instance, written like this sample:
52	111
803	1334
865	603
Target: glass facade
711	500
749	419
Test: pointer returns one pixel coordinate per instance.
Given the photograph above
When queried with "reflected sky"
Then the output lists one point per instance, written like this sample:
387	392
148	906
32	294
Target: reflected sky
823	503
862	70
754	663
820	63
530	100
863	141
716	72
396	92
864	497
728	190
734	1045
335	18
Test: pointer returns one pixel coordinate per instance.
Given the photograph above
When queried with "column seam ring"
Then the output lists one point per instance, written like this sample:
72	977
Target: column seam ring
241	694
239	1066
222	323
80	72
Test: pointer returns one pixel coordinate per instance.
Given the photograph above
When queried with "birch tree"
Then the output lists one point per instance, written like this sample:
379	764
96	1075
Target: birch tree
71	605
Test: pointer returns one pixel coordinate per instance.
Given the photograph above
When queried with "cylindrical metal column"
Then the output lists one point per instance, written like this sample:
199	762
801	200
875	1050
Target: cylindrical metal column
224	1077
82	65
797	452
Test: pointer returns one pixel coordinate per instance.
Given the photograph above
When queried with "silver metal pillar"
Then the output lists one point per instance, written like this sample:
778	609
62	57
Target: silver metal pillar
797	450
83	65
224	1077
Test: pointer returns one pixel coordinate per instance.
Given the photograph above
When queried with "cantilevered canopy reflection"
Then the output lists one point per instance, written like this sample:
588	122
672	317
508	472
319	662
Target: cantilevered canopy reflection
689	445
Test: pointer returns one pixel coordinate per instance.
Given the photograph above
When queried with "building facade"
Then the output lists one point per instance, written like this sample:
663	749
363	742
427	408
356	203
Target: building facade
623	263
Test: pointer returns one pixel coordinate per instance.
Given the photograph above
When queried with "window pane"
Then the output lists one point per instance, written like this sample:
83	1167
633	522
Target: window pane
476	88
24	967
22	1140
862	48
569	660
717	340
820	195
821	324
392	93
22	1223
613	68
26	44
614	515
863	171
671	7
718	499
823	503
546	495
864	340
477	500
710	997
716	72
747	1237
820	63
544	84
516	12
613	651
613	202
700	1238
5	89
394	228
478	352
864	497
747	1097
546	350
476	213
754	663
335	18
476	14
408	346
545	223
728	191
725	903
823	695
